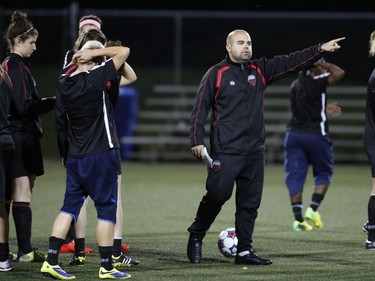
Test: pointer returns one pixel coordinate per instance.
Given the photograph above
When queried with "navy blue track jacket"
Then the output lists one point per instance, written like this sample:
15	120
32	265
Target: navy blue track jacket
234	93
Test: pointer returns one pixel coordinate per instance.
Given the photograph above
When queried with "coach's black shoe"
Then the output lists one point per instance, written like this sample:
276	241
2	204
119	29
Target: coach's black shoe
252	258
194	248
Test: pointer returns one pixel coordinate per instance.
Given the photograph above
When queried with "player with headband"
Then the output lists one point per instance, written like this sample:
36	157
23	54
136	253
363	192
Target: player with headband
86	23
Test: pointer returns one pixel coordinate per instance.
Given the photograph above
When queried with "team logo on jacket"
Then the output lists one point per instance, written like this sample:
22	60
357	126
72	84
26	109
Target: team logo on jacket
216	166
252	80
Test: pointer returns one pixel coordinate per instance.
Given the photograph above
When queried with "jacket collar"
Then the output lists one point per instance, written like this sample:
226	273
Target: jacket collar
240	65
19	58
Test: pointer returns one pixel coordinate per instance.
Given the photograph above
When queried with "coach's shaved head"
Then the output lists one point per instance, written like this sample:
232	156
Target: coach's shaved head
239	46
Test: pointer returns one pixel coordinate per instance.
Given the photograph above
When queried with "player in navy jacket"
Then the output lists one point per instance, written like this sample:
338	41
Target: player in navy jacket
233	91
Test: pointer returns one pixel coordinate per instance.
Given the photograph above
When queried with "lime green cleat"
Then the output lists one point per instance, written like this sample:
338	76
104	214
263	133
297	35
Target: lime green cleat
55	271
33	256
314	217
12	256
301	226
112	274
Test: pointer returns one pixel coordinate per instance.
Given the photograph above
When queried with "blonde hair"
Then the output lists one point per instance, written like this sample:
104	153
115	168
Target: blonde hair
91	45
372	44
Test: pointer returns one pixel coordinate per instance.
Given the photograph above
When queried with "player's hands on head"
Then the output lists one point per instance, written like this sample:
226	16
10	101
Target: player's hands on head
82	56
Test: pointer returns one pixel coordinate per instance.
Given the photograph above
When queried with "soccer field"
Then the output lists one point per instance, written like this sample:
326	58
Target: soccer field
160	201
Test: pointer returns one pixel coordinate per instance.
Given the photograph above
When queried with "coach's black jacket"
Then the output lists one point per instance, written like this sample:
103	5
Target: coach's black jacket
235	95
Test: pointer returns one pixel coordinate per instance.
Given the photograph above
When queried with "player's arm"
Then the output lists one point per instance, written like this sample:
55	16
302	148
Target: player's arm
337	73
128	75
118	54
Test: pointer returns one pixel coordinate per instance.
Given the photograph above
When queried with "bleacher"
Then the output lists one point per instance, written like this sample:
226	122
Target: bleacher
162	131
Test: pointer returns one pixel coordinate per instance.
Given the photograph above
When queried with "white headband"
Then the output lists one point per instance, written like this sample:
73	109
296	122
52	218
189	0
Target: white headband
27	31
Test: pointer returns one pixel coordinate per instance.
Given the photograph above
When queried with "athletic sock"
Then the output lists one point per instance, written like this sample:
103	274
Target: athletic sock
22	217
79	246
4	251
106	257
54	246
316	199
116	250
297	211
371	209
371	217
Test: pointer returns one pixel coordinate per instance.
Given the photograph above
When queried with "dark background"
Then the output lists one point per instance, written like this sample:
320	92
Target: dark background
149	29
207	5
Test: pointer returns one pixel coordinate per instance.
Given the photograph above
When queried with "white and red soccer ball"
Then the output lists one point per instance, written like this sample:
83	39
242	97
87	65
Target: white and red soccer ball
227	242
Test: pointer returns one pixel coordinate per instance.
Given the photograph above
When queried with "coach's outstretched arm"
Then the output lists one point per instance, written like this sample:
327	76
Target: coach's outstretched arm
332	46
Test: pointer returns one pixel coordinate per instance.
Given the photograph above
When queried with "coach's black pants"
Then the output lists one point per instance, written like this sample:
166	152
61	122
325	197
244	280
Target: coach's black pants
248	174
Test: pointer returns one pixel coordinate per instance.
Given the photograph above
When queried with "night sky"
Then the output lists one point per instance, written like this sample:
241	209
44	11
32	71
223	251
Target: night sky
233	5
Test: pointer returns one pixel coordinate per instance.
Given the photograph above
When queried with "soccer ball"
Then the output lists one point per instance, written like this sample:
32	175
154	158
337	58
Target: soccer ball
227	242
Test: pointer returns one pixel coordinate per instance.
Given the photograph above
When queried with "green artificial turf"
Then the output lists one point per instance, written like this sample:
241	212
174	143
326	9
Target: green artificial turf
160	201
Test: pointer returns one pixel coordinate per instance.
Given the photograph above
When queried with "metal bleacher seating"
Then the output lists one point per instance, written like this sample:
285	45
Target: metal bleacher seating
162	131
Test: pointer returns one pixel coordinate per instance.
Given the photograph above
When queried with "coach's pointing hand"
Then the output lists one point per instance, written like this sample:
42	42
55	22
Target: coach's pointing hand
332	45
